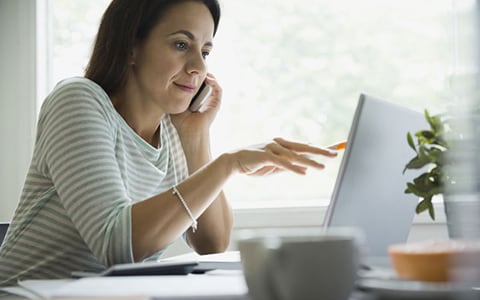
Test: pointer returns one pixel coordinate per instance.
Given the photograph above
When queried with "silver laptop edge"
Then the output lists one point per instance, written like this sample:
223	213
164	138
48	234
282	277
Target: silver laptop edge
369	190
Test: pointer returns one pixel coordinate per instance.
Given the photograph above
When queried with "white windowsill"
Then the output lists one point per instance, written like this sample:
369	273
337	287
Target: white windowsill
306	214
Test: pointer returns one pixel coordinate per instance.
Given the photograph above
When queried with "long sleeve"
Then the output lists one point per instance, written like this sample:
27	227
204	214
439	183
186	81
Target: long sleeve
77	146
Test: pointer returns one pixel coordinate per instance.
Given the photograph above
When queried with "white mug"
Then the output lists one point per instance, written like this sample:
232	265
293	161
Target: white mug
301	265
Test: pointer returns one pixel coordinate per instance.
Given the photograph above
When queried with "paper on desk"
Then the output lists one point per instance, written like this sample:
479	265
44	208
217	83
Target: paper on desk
228	256
43	289
17	291
229	260
35	289
158	287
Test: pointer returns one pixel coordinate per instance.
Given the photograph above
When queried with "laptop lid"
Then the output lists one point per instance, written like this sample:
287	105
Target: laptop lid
369	190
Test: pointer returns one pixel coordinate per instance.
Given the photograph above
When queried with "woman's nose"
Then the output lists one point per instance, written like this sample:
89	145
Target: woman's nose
197	64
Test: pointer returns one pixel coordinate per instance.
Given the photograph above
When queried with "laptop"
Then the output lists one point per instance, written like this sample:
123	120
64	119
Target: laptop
369	190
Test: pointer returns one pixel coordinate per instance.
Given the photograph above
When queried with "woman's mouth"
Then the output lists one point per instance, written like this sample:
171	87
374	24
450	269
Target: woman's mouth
186	87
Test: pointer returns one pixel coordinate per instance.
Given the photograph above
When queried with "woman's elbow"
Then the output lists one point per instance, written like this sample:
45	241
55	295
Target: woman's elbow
211	250
212	246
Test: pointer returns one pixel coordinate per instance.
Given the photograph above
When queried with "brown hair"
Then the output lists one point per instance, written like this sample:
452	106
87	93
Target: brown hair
125	23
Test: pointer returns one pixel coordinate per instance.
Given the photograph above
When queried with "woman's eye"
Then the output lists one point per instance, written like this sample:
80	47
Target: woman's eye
181	45
205	54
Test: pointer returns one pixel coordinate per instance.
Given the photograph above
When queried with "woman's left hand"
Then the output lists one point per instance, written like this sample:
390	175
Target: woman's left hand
195	123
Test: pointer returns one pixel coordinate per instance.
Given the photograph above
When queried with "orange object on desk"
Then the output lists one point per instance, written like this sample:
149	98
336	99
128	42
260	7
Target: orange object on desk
437	261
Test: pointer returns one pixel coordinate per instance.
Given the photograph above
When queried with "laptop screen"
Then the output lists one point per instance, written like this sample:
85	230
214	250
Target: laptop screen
369	191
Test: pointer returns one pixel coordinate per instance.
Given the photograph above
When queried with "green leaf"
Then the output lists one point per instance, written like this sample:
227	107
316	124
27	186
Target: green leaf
426	186
426	204
410	188
431	211
427	134
423	153
422	206
437	125
413	189
417	162
437	190
411	143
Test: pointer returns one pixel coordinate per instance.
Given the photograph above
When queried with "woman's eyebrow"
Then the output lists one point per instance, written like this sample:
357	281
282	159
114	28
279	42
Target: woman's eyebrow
189	35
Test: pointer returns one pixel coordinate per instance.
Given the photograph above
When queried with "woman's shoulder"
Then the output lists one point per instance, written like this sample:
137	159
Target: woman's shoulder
80	84
78	91
77	94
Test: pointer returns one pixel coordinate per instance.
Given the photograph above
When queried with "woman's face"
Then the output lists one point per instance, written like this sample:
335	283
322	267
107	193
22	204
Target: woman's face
169	65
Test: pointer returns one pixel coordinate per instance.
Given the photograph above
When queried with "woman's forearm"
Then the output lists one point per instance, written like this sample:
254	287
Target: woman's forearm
159	220
215	224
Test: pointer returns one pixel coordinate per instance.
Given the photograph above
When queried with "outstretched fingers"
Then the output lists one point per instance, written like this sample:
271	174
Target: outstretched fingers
264	162
279	155
303	148
286	164
290	158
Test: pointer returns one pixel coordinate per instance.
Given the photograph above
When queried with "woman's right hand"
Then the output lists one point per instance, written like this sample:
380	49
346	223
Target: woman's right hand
278	155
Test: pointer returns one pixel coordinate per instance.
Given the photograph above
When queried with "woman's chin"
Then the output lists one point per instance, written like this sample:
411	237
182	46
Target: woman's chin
178	110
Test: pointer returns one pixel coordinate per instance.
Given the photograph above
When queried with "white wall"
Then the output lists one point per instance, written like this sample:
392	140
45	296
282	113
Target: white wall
17	98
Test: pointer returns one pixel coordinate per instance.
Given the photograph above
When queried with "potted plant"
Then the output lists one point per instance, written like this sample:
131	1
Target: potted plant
448	152
431	148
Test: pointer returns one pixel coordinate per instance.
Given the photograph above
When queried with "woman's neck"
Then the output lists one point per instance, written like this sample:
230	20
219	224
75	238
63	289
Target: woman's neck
142	120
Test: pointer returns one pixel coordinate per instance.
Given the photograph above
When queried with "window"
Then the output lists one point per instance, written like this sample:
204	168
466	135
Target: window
296	71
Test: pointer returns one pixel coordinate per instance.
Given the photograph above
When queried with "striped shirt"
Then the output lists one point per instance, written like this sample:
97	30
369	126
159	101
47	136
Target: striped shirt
88	169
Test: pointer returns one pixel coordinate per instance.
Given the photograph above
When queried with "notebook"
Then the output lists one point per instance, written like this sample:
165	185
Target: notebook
369	190
178	265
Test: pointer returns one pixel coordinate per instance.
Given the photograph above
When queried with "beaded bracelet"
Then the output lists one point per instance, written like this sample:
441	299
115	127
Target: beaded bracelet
177	193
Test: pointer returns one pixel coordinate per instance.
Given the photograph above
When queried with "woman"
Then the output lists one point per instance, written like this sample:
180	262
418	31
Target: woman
121	168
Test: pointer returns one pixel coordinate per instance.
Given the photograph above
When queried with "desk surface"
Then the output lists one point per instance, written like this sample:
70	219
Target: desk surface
213	286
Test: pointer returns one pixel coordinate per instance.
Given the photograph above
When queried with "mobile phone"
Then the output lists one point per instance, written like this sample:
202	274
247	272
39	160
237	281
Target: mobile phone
200	97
